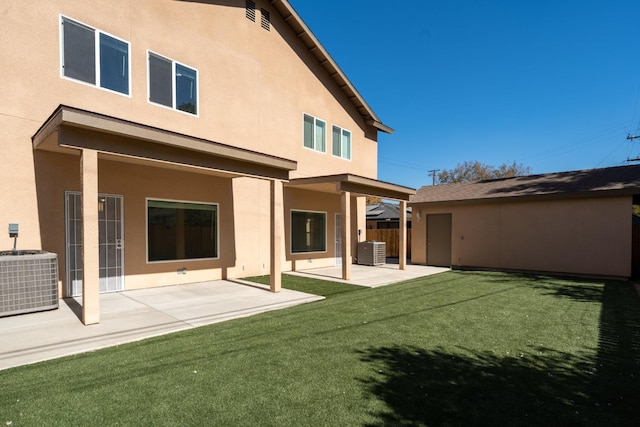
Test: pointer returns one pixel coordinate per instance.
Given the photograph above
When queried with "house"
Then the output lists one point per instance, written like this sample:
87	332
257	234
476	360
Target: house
163	142
577	223
384	215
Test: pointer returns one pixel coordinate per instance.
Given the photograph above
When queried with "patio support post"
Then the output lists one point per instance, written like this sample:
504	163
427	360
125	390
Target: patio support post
346	235
90	250
277	236
403	235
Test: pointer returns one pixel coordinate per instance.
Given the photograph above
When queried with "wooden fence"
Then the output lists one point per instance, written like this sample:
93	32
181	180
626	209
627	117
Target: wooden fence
392	238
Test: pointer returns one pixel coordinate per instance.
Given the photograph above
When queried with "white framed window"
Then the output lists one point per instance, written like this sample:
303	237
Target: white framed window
179	230
172	84
314	133
341	142
308	231
94	57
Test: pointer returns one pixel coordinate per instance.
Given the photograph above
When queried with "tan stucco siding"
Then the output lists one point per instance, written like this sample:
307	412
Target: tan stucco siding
329	203
253	88
575	236
254	85
18	202
59	173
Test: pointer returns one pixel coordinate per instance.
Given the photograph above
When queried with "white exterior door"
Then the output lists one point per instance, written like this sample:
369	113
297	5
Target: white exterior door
110	243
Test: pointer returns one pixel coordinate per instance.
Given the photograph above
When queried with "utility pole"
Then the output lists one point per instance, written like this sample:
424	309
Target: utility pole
432	172
631	138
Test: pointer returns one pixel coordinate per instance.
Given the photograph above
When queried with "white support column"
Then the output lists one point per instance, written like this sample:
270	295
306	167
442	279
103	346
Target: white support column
277	235
346	235
90	241
403	235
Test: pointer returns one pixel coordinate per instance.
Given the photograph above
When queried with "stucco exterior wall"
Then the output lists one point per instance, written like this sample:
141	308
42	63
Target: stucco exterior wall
295	199
589	236
253	88
254	85
243	219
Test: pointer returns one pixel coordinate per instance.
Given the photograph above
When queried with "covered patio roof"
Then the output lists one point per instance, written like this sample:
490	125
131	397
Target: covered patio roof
355	184
70	129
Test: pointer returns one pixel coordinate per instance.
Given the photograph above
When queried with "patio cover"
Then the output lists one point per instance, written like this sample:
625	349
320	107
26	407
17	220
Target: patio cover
69	130
93	136
348	185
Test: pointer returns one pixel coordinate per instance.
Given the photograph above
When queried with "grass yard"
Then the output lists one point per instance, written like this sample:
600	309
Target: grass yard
458	348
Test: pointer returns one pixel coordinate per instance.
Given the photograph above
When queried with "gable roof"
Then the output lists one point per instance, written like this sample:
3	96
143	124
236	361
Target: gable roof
621	180
305	35
384	211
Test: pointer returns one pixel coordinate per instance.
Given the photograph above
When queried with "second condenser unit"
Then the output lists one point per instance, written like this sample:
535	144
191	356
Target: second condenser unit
372	253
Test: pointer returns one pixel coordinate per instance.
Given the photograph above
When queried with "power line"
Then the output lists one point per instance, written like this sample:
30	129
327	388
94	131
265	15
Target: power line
631	138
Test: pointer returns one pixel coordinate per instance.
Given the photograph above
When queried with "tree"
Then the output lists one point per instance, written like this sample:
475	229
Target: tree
373	199
475	171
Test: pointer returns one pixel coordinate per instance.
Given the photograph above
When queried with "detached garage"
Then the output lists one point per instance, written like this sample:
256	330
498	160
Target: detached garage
576	223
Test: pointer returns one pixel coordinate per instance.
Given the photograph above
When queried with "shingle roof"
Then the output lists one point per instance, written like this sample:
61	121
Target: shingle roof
594	182
384	211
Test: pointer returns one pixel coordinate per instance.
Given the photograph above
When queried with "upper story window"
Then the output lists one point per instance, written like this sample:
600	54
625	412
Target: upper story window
341	144
172	84
94	57
314	133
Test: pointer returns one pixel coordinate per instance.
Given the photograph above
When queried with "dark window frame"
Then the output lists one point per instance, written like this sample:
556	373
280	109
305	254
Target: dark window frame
314	236
181	231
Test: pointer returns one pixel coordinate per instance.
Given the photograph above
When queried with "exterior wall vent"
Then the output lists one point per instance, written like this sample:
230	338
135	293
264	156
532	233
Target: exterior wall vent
251	10
265	19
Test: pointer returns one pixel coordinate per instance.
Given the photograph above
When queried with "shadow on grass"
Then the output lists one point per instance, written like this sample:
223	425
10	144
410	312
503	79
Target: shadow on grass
324	288
542	386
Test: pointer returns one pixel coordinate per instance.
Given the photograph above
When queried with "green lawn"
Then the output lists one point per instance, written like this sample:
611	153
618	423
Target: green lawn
459	348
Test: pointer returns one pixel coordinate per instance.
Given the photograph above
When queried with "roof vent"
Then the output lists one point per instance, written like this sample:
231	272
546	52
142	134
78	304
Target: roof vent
251	10
265	21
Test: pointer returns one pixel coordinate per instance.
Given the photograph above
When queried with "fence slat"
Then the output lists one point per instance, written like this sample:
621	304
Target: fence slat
392	238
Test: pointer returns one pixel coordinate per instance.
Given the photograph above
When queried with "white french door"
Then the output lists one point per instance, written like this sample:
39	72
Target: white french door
110	242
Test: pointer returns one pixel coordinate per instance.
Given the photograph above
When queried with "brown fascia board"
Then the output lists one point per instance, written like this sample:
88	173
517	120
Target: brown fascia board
359	185
74	117
526	198
300	28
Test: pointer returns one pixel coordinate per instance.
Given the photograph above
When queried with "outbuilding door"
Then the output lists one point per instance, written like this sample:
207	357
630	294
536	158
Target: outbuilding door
439	240
110	244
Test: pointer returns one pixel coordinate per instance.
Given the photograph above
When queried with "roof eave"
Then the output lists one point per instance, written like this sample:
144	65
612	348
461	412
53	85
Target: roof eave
291	17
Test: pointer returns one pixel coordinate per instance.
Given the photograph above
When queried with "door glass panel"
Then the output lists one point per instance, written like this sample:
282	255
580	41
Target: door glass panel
109	233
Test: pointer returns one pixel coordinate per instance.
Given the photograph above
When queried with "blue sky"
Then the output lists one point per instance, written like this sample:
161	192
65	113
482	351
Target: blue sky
551	84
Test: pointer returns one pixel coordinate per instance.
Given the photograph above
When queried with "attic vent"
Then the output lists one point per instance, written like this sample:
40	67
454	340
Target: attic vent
265	21
251	10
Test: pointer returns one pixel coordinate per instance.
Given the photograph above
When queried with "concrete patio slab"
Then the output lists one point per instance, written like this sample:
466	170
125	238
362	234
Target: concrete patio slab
371	276
138	314
134	315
